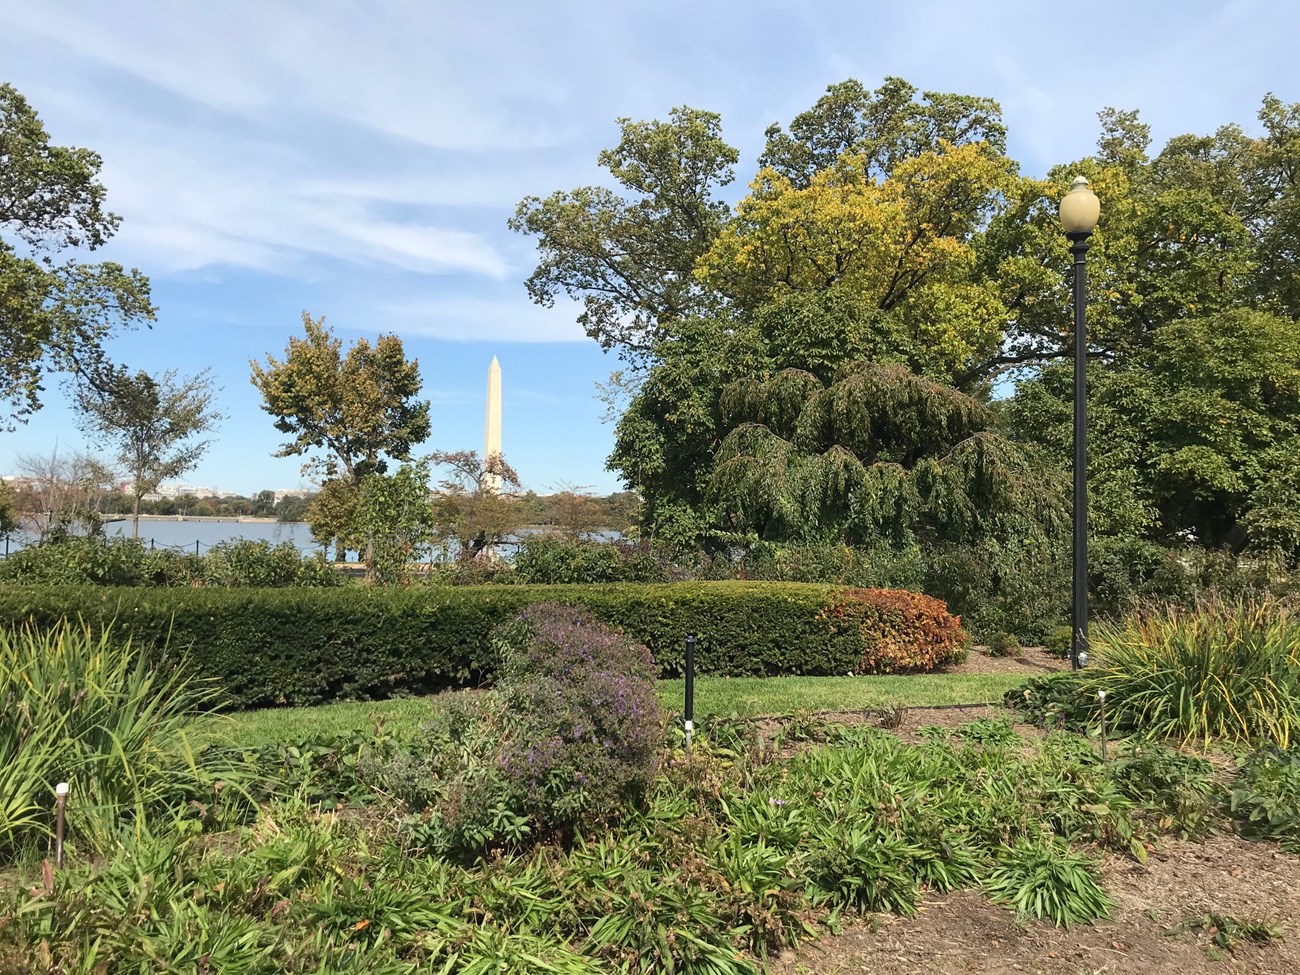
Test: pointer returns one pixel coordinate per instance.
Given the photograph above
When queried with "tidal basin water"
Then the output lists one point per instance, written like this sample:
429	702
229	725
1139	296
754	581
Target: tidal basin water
184	534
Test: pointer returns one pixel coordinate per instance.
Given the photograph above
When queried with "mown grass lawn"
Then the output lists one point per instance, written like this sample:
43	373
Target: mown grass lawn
714	696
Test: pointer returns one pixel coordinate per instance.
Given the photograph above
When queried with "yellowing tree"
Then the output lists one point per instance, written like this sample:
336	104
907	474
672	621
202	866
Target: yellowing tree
901	243
356	408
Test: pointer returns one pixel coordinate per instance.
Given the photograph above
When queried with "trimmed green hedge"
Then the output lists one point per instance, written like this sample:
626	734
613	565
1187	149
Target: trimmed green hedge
303	646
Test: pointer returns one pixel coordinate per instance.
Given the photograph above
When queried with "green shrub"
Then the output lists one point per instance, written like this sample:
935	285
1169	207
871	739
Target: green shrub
1265	798
99	561
452	777
1004	645
1017	586
83	709
1060	642
1225	670
259	564
77	560
1126	573
306	645
1178	788
550	560
1061	700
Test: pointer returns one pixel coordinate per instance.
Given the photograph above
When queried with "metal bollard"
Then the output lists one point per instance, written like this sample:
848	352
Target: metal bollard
690	689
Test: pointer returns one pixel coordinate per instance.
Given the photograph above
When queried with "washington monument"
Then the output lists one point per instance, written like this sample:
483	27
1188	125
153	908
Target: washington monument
492	430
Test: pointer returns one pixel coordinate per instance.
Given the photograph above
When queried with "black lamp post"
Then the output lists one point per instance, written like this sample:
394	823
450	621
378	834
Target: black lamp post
1080	210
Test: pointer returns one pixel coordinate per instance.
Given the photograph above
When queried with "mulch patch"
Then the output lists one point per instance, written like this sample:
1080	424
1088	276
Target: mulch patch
964	932
1031	661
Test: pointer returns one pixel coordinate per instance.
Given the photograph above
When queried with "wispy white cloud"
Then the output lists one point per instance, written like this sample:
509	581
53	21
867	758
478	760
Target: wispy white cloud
474	319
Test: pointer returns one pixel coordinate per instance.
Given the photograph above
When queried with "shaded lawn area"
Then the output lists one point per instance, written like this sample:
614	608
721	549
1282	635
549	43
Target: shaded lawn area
714	696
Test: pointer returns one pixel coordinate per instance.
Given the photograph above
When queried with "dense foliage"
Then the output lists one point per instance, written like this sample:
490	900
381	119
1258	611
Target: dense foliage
1221	670
303	645
818	368
58	312
74	560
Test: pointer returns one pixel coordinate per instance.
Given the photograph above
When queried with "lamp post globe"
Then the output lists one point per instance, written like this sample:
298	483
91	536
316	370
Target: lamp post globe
1080	211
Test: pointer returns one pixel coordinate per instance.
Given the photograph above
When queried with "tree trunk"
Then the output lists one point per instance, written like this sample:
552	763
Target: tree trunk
135	515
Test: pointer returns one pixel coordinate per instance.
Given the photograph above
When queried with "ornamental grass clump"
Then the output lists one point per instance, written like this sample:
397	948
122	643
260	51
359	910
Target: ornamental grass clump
88	710
584	721
1221	670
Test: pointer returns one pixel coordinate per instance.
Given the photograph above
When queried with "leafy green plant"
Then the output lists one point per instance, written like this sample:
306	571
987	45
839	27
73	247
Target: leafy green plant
1059	701
1265	798
1178	788
1226	931
763	894
260	564
803	725
987	731
859	869
1049	882
99	561
1059	641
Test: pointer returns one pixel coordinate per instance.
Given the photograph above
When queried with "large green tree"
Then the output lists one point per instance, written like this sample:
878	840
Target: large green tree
629	254
883	128
153	425
357	409
394	515
56	311
1194	343
889	227
856	241
1196	438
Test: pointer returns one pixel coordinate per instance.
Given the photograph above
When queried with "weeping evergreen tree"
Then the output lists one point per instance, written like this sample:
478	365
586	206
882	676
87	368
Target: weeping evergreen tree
879	455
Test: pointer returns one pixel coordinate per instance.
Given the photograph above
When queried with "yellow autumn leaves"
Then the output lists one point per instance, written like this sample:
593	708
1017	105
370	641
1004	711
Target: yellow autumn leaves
902	243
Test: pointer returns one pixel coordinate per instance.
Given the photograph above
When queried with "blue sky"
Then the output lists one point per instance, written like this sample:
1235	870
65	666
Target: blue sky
360	159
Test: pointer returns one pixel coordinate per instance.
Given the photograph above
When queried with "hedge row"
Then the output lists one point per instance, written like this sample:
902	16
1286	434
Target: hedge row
304	646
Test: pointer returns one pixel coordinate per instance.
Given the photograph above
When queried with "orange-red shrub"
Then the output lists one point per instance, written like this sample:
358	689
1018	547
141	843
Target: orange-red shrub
901	632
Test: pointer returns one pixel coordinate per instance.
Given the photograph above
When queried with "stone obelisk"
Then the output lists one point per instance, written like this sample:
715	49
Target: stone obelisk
492	431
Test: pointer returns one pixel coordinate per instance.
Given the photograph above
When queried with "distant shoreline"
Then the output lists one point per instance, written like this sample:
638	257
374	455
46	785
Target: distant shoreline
230	519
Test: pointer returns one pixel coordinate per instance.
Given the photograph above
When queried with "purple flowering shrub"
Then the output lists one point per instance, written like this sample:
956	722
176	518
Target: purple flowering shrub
585	726
570	735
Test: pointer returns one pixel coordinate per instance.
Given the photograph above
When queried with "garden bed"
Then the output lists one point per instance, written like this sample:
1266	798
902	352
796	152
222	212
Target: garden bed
964	932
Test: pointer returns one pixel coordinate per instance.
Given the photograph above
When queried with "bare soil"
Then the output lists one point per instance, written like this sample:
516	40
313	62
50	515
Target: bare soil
1030	661
966	933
